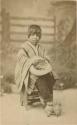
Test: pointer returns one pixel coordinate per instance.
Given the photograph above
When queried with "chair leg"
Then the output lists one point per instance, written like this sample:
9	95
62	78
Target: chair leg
23	99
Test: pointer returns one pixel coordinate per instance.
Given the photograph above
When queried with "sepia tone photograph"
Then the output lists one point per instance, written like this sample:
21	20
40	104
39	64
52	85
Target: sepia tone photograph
38	62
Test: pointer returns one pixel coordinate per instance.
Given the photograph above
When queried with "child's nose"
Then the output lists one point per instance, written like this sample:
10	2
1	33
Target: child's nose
35	35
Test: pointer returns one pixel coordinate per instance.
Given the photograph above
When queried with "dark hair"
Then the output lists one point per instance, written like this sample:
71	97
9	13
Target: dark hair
34	29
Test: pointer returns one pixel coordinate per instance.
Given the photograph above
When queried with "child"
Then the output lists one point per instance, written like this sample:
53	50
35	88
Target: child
33	69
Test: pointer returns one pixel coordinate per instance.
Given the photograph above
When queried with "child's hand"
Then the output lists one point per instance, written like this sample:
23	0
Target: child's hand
36	59
40	65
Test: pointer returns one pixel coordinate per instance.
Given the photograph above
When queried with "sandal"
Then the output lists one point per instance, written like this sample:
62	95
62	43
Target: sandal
49	109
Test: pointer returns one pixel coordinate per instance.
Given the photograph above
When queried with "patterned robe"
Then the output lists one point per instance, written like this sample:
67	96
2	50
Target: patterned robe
24	62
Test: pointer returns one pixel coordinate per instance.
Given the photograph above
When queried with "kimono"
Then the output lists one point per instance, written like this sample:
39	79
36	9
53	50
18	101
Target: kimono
25	59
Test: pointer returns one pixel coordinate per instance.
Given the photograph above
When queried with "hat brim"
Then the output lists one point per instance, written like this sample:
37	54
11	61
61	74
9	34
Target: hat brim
42	71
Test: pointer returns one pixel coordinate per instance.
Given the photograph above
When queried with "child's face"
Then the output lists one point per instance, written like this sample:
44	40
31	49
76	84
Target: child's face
34	39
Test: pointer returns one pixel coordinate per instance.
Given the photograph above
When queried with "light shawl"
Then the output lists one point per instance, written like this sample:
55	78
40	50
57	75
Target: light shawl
25	59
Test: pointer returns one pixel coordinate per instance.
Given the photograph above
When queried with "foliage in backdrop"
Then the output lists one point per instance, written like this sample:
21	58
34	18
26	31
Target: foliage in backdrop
65	45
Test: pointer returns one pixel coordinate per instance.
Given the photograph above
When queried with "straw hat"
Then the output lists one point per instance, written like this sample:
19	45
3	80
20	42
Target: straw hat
41	67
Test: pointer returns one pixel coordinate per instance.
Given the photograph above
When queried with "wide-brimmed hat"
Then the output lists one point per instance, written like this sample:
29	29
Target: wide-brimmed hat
41	67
